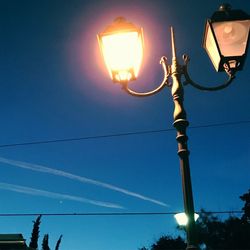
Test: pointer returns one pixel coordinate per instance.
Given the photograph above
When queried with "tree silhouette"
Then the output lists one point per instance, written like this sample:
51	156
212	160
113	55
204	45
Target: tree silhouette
58	243
232	233
246	198
210	230
35	233
167	242
45	244
213	233
35	236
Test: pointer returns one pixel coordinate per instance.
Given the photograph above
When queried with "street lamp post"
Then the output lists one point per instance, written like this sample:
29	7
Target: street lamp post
225	40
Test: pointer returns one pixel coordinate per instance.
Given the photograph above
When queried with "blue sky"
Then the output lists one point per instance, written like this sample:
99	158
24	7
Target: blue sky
54	86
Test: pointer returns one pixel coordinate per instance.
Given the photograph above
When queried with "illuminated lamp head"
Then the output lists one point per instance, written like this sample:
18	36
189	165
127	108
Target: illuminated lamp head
226	38
121	45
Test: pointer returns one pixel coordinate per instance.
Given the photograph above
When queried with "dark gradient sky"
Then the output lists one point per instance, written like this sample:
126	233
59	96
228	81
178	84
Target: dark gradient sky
54	86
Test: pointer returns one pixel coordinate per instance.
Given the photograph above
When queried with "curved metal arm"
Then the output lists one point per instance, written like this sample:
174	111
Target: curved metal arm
198	86
164	82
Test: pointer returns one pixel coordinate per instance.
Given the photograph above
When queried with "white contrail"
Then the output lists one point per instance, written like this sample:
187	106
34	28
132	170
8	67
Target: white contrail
40	168
39	192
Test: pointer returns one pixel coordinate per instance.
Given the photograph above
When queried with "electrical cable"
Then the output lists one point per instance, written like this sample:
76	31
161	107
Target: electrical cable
112	214
118	134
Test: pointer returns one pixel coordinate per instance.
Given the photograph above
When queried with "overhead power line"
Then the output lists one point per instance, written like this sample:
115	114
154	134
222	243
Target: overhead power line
118	134
112	214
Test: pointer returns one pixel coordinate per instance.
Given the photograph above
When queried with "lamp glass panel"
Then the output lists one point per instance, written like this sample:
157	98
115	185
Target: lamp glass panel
122	54
211	47
232	37
182	218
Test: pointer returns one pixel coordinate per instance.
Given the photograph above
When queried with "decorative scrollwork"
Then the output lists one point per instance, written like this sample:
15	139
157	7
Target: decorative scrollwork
188	80
165	81
184	71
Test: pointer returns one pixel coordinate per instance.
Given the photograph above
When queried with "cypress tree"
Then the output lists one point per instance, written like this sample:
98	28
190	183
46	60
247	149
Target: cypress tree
35	233
45	244
58	243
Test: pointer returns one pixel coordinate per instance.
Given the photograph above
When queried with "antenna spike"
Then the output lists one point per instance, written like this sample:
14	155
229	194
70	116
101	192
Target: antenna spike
173	43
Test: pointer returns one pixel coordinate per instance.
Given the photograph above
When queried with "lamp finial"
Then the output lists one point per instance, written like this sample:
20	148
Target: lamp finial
225	7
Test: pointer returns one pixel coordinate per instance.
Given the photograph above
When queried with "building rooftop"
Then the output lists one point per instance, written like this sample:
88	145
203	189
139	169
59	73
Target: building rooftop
12	242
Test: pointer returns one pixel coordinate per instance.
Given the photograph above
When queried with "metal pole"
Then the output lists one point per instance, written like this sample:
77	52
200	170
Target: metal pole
181	123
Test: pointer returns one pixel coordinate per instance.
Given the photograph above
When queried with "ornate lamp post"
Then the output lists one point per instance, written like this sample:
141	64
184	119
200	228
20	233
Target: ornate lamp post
225	40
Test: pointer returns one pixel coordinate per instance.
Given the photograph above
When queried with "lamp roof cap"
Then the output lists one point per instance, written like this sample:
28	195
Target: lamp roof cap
226	13
120	24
